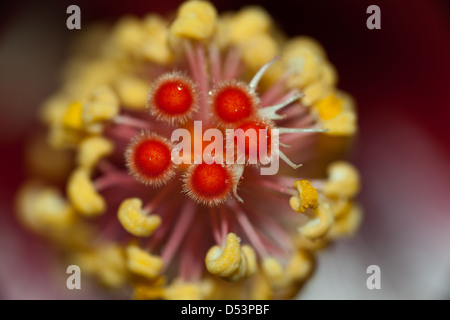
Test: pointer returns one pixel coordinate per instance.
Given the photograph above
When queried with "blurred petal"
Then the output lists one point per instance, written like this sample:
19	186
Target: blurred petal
407	221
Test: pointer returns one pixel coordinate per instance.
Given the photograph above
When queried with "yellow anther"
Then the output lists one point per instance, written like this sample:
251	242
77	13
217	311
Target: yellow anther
79	235
82	194
86	260
92	149
304	64
276	71
337	114
221	289
135	220
128	34
155	47
240	272
224	261
295	203
300	266
195	20
259	50
247	23
91	40
247	266
329	107
314	92
111	265
102	105
150	291
222	33
261	289
284	281
107	262
342	125
304	42
53	210
41	208
252	265
343	180
318	226
91	75
307	196
72	117
143	263
142	292
133	92
180	290
328	74
54	109
340	206
273	270
347	224
60	137
37	153
304	243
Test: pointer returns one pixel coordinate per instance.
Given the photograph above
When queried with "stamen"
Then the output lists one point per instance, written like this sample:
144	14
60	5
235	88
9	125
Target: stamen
271	112
132	122
143	263
257	77
178	233
203	78
273	229
300	130
318	226
224	221
105	167
122	133
91	150
248	228
271	185
191	60
190	267
136	220
231	65
238	171
214	58
215	225
168	217
83	194
225	259
159	198
288	161
270	96
113	179
307	196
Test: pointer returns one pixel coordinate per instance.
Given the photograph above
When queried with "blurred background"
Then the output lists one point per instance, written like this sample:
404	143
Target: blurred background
399	76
